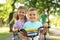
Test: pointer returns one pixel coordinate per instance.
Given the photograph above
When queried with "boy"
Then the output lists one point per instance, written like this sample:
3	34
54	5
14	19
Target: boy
33	24
43	17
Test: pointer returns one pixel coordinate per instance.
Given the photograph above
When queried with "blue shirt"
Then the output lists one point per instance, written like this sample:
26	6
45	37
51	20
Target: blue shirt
32	25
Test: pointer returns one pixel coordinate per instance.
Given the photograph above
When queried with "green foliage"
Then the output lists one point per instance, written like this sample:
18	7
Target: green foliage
58	13
22	1
7	8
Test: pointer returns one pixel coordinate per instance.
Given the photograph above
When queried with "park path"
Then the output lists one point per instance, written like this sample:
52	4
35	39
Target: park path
10	38
55	36
48	38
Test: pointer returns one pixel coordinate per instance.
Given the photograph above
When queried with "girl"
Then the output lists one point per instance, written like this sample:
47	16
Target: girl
21	18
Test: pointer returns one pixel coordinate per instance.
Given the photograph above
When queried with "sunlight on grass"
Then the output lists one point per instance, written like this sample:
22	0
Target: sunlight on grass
55	21
4	30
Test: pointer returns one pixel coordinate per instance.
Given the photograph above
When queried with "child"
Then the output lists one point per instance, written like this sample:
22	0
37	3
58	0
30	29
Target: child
33	24
21	18
44	17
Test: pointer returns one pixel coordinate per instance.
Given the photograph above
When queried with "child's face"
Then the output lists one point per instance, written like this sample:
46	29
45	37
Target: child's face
43	12
32	15
21	12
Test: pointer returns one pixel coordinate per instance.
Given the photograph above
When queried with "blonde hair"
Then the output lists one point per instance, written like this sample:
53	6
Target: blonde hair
32	9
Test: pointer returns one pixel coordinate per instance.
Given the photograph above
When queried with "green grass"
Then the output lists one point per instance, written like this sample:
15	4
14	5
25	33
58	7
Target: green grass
4	36
4	33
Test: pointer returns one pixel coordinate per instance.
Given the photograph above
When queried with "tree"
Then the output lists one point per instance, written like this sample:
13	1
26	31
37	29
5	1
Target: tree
11	15
7	10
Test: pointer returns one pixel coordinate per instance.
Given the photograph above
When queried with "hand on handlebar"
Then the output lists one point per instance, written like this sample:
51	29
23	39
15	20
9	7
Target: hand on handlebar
15	30
45	25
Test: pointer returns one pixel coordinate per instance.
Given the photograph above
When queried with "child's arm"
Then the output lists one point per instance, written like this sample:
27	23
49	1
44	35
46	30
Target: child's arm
15	27
15	30
45	28
23	36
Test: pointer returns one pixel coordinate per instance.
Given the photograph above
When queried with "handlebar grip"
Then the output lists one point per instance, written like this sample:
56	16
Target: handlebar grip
43	27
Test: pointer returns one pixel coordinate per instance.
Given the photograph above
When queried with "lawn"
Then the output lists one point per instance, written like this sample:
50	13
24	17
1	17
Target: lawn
4	33
4	36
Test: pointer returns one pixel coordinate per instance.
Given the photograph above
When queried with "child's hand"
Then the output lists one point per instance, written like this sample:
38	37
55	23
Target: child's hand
45	25
45	28
15	30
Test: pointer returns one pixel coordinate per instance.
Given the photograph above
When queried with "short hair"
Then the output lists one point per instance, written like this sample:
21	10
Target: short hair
21	7
32	9
43	10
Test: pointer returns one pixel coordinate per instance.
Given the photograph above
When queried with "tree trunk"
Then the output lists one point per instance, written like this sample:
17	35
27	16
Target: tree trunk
0	22
11	16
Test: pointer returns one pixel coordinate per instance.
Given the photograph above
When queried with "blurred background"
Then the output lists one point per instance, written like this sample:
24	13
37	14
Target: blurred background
8	10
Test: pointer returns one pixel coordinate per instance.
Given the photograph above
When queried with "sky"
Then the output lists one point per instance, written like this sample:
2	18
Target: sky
2	1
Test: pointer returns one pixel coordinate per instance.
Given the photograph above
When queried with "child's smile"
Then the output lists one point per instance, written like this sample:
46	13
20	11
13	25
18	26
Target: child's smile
32	16
22	12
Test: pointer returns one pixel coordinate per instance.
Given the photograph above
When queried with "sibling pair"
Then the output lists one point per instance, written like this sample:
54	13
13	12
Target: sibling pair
29	23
